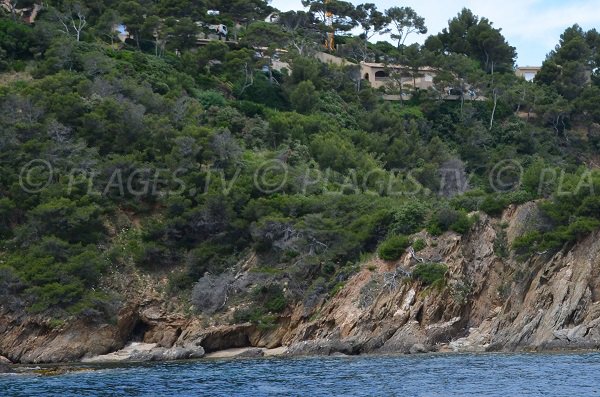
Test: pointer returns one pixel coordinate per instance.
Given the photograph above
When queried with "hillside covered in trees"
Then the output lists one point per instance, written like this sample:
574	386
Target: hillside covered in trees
169	157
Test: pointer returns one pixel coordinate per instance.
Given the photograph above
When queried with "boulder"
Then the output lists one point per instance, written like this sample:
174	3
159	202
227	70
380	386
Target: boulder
418	348
172	354
324	347
253	352
137	352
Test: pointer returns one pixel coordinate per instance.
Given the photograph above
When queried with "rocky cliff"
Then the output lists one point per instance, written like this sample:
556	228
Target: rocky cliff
488	303
489	300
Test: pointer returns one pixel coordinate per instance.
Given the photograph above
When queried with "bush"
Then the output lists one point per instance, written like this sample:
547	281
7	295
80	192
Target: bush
393	248
151	256
269	300
429	273
434	229
446	217
463	224
305	97
450	219
211	98
554	240
271	297
409	218
493	206
419	245
470	201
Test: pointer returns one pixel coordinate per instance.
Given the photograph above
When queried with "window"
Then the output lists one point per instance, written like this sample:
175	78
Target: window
380	75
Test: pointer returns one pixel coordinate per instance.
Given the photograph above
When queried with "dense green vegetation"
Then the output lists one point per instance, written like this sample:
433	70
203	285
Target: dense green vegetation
161	155
393	247
430	273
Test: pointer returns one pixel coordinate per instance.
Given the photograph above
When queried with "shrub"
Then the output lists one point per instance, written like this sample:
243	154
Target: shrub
527	243
434	229
556	239
211	98
393	248
249	315
55	294
450	219
304	97
446	217
419	245
268	301
271	297
409	218
470	201
151	255
463	224
501	245
429	273
493	206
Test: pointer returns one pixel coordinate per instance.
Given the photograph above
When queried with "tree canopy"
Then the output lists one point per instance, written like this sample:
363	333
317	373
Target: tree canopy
165	154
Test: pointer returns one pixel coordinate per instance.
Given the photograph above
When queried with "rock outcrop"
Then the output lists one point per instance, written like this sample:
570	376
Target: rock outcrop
488	301
138	352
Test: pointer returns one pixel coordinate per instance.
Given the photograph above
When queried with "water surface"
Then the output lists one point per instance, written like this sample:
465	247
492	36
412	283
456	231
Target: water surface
428	375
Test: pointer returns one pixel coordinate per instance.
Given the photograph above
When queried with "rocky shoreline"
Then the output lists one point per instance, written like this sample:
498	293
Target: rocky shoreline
487	303
312	350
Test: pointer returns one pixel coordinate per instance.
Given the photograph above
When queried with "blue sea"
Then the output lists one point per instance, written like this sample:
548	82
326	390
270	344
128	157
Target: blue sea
424	375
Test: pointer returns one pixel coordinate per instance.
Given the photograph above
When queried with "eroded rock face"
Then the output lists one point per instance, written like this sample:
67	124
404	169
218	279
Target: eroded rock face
217	338
488	302
32	340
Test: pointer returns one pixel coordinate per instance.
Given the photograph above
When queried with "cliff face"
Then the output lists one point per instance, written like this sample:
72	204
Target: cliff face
489	301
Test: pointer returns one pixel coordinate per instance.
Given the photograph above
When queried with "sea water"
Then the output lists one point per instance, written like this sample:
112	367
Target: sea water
422	375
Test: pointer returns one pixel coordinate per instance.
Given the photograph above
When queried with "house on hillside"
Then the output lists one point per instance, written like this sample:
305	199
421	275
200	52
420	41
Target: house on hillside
382	75
527	72
391	78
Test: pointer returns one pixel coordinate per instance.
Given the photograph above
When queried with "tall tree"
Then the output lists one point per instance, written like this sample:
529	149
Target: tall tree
477	38
268	38
241	11
371	20
570	67
73	20
405	21
342	14
490	47
133	14
107	23
301	29
183	33
154	27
